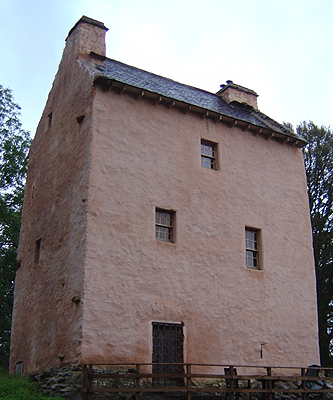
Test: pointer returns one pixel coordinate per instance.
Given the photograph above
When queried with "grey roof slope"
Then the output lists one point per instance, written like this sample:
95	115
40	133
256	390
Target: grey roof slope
132	76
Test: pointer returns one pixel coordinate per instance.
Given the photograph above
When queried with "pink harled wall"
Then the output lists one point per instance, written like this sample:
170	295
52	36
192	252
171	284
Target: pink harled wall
145	156
47	313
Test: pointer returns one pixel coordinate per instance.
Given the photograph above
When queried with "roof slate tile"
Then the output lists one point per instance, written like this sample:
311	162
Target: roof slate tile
128	75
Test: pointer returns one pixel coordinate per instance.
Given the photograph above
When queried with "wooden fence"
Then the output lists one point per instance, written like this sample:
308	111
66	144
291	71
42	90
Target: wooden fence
220	381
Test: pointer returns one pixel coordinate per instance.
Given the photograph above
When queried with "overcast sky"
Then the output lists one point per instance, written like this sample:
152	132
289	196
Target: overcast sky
282	49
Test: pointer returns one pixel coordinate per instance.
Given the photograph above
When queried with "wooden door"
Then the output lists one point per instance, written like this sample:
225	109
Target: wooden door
168	340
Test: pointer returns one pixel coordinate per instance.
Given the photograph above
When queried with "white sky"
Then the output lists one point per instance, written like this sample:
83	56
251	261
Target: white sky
282	49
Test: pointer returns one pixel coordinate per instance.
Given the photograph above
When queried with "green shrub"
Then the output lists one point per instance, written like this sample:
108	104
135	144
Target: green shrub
20	388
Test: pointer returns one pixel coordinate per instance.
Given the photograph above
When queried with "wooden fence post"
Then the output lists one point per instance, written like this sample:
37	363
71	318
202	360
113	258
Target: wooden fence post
303	384
188	381
84	382
90	379
269	384
137	382
231	368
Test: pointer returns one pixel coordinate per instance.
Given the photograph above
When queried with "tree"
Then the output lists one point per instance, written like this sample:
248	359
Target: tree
14	145
318	159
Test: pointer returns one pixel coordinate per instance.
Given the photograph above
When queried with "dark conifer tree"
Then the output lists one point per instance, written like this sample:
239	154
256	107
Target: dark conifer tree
318	159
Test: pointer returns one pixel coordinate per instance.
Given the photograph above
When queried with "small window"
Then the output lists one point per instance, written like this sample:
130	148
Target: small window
49	120
208	154
19	369
164	225
252	248
37	251
80	118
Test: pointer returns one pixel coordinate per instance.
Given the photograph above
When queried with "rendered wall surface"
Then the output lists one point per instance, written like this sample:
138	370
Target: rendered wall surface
46	329
145	156
102	278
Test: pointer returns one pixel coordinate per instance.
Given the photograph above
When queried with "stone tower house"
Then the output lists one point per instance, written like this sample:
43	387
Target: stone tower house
156	210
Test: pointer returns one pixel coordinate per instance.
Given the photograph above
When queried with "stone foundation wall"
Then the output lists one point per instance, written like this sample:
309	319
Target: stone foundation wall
65	382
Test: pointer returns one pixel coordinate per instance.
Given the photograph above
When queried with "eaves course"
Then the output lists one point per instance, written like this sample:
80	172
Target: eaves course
115	74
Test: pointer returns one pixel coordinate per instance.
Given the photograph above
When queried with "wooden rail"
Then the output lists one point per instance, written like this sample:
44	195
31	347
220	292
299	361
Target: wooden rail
227	381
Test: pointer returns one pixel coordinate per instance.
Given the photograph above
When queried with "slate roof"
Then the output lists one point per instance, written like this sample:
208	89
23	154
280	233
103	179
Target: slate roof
119	72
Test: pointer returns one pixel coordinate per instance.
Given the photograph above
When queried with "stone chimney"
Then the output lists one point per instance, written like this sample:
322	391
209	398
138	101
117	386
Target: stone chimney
240	94
86	36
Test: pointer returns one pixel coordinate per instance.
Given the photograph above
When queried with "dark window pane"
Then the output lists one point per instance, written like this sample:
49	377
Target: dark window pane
163	225
208	155
252	251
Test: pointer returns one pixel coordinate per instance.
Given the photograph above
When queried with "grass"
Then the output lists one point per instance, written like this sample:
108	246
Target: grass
20	388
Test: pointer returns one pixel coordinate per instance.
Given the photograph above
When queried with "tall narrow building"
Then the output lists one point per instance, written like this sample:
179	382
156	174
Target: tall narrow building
161	222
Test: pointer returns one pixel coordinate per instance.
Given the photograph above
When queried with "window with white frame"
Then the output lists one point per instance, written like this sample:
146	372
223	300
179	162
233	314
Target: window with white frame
164	225
252	247
208	154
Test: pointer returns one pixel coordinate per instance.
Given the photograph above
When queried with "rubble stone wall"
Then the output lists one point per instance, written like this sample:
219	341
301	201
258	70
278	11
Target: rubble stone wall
65	382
